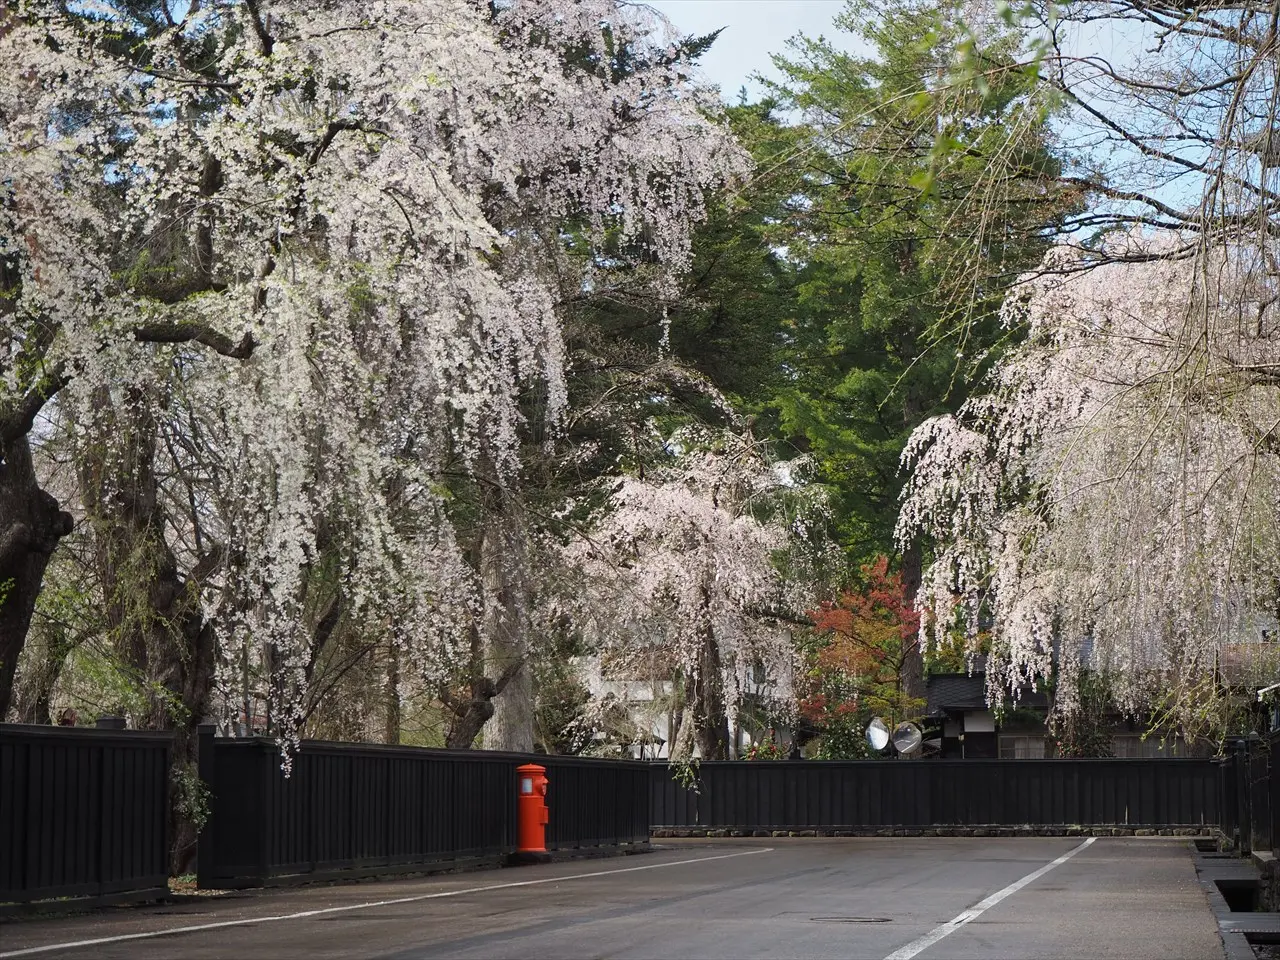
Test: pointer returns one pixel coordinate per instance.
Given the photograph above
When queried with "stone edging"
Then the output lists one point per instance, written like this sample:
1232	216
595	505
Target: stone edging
1026	830
1235	945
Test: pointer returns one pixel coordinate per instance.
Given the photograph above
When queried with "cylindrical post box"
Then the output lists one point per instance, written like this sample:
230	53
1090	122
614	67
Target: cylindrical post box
533	815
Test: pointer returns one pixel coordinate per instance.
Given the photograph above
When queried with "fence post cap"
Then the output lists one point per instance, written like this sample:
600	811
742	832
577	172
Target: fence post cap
110	723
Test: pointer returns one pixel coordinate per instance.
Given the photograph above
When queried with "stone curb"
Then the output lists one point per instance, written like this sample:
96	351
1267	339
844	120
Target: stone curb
1234	943
1026	830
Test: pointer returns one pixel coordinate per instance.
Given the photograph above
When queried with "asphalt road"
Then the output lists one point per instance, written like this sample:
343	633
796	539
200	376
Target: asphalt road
823	898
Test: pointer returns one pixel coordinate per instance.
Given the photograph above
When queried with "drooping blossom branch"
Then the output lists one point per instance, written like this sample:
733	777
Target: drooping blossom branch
1109	504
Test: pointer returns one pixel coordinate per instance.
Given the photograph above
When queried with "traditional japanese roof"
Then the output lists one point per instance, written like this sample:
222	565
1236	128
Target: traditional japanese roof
952	692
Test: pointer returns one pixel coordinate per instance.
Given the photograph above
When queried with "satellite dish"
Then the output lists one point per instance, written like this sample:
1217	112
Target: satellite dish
906	737
877	734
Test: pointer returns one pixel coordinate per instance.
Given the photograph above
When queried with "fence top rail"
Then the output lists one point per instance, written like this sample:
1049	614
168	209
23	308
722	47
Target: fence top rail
386	749
39	731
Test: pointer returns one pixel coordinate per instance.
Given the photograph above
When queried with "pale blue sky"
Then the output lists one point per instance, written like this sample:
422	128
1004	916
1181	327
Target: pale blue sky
754	29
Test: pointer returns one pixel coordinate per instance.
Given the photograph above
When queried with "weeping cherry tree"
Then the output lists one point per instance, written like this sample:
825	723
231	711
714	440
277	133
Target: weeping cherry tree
1109	505
323	235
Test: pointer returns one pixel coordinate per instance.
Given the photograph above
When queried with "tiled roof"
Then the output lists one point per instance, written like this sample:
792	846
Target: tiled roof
962	691
955	691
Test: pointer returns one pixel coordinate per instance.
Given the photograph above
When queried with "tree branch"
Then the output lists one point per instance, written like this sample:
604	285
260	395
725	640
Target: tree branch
192	332
265	40
508	675
18	420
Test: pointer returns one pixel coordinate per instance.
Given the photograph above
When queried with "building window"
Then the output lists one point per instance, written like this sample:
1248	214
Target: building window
1021	748
1136	748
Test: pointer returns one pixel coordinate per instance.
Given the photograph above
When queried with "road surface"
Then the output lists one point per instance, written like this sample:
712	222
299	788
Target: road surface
932	898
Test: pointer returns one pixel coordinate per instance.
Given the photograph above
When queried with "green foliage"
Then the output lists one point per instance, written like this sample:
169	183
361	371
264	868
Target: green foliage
687	773
766	749
952	653
734	317
842	722
894	277
856	656
113	688
1085	732
105	685
1014	717
191	796
1209	713
560	703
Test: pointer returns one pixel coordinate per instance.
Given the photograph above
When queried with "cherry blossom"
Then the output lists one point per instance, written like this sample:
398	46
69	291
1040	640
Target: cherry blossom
699	570
360	206
1109	503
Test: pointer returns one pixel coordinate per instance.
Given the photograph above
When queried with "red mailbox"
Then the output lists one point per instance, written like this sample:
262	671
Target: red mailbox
533	814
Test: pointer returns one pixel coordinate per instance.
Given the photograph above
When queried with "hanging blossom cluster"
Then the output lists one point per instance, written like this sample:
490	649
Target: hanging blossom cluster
706	560
1110	504
328	227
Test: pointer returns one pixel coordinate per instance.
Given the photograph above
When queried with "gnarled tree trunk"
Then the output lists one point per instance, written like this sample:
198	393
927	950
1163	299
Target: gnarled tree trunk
504	573
153	610
473	706
31	524
711	722
912	653
33	693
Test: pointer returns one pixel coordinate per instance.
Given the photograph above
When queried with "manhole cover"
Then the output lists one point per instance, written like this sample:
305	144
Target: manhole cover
851	919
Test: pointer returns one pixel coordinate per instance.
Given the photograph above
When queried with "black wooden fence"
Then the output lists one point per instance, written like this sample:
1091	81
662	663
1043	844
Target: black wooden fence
868	795
595	803
362	809
1249	794
83	814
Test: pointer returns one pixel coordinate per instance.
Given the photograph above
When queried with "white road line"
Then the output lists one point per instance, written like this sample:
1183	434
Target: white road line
49	948
978	909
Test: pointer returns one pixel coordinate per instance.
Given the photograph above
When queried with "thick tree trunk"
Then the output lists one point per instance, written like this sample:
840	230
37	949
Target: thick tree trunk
912	652
511	726
153	610
183	834
33	695
31	524
469	720
503	570
473	706
392	731
683	739
179	658
711	723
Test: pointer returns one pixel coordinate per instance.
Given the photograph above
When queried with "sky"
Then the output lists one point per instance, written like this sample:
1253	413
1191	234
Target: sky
753	30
